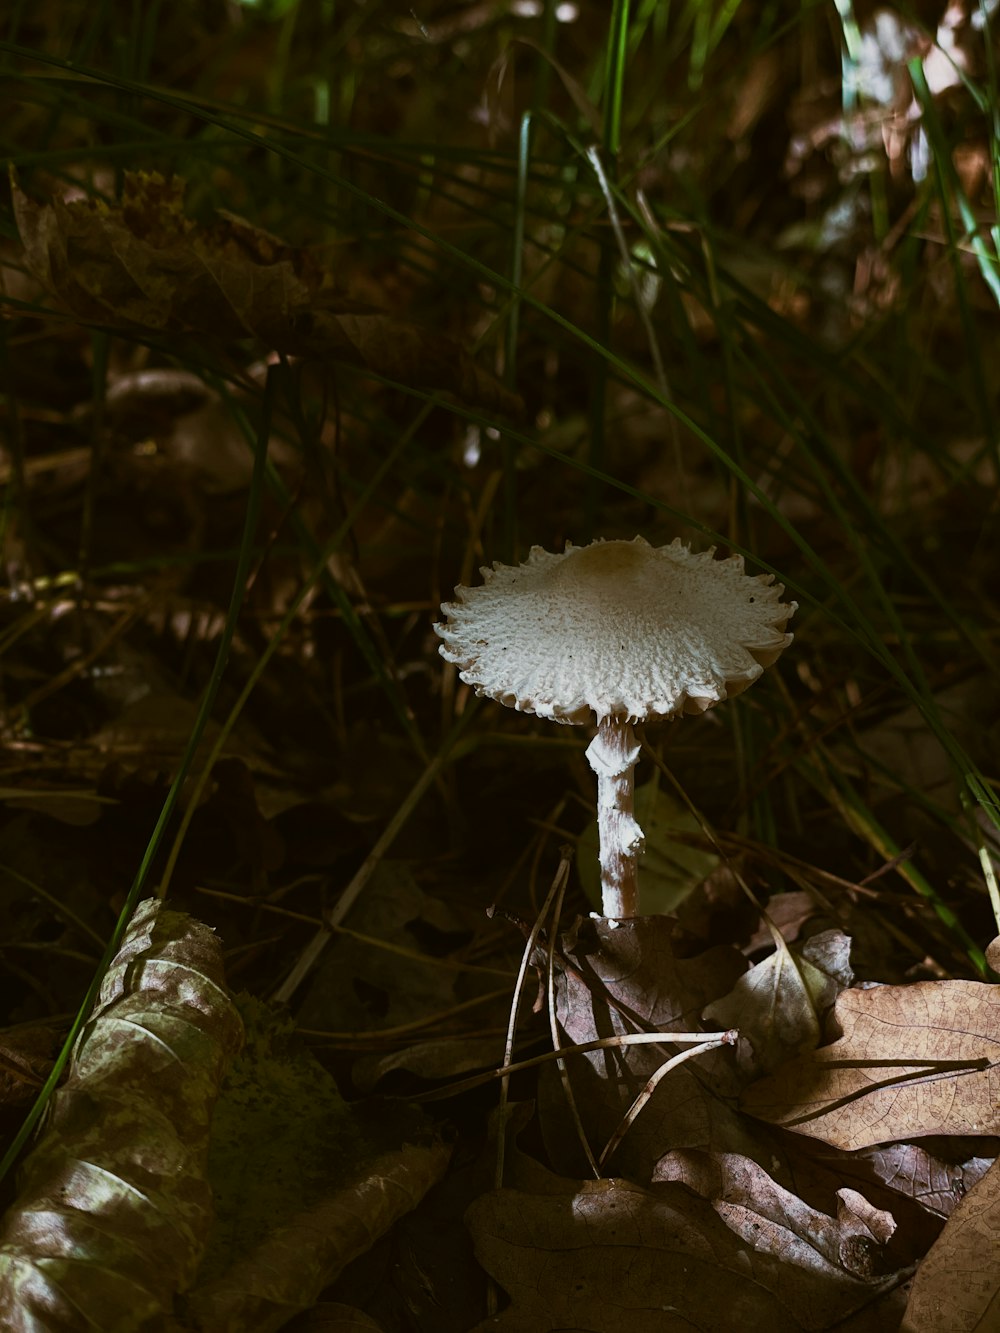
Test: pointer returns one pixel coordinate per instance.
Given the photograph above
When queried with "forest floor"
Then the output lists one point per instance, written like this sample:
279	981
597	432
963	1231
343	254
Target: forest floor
309	314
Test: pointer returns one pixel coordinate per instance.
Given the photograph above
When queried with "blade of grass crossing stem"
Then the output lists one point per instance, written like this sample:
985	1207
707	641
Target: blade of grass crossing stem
614	79
170	803
992	111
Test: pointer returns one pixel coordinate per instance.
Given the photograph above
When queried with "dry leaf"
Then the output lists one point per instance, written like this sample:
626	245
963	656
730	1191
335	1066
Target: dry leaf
143	265
788	912
629	979
778	1004
26	1055
289	1268
937	1185
957	1286
827	1257
912	1060
438	1058
608	1255
115	1207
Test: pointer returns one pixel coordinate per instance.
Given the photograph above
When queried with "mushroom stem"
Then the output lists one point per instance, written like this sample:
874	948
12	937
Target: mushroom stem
612	755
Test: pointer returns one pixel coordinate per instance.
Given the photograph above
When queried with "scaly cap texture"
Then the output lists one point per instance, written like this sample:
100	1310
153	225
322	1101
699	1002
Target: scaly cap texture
615	629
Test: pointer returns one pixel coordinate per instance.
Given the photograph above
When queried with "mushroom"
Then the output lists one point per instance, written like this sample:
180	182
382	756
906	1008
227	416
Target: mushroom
616	632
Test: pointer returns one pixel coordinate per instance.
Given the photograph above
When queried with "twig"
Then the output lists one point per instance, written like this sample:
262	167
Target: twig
627	1120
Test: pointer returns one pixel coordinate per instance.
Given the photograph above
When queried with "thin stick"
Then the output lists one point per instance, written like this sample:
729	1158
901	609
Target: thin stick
627	1120
558	884
554	1029
727	1038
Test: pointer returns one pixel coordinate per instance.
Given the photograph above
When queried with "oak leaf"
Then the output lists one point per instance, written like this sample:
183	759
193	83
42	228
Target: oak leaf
609	1255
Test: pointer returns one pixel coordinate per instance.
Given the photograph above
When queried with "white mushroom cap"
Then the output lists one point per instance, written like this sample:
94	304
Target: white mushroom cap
616	629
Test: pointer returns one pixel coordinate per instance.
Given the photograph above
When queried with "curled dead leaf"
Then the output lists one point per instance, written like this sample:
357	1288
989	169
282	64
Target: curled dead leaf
115	1206
771	1218
609	1255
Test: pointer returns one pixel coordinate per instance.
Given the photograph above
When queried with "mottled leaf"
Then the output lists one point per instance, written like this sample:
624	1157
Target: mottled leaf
938	1186
115	1206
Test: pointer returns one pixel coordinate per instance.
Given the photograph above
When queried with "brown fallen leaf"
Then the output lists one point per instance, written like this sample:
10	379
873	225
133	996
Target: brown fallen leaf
773	1219
143	265
289	1268
25	1060
777	1006
788	912
938	1186
609	1255
629	979
957	1286
912	1060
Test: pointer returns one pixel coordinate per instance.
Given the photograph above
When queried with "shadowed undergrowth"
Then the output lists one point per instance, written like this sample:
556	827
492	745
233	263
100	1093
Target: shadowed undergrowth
311	311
